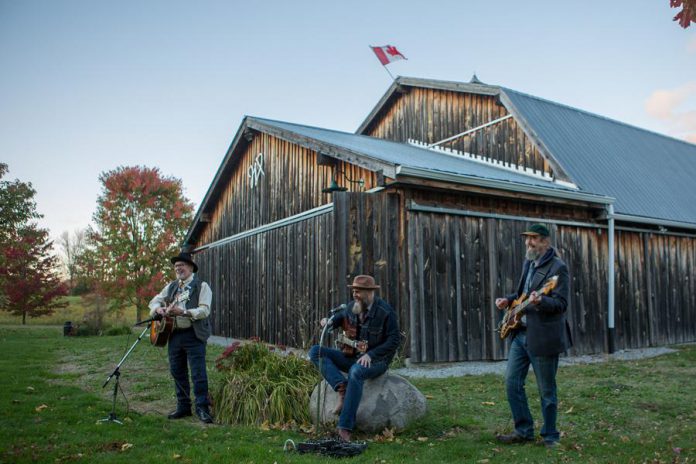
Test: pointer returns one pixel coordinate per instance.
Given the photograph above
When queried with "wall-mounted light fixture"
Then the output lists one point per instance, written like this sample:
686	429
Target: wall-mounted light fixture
334	187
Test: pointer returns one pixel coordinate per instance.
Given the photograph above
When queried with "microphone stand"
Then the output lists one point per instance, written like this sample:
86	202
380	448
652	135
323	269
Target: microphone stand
328	324
117	373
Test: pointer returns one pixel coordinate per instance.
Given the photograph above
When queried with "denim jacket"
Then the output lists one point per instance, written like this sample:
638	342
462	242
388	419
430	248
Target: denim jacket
380	329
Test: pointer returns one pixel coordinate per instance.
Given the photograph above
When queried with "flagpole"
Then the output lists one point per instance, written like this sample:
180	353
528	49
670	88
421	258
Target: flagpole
390	74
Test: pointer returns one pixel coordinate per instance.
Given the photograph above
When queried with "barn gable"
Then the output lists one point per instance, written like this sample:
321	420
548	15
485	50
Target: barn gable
269	174
647	173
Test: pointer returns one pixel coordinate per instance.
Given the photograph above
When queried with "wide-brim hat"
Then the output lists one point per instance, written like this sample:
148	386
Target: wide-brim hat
364	282
185	257
537	230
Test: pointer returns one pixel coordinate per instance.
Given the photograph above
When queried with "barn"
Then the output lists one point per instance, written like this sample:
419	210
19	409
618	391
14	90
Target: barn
429	195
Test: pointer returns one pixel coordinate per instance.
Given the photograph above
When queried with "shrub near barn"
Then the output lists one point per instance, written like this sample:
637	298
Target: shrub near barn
263	384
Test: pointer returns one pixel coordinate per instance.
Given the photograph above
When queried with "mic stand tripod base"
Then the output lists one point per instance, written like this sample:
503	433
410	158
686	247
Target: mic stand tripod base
117	373
112	415
111	418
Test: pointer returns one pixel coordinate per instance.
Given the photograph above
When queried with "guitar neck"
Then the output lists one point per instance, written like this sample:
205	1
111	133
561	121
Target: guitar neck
346	341
544	291
521	306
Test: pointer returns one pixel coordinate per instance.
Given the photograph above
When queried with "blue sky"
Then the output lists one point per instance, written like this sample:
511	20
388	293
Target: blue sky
86	86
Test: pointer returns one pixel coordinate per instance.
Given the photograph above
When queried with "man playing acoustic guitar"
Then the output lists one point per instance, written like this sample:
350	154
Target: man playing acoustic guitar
543	333
187	300
369	319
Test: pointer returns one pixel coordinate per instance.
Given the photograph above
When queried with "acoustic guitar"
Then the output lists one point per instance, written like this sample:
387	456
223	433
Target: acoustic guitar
161	330
347	339
513	317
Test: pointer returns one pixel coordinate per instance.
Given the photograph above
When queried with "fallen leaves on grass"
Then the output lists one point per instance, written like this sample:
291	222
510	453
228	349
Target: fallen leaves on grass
40	408
453	432
488	403
386	435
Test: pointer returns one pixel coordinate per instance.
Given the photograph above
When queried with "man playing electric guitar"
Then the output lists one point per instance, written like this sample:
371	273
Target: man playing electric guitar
542	334
372	319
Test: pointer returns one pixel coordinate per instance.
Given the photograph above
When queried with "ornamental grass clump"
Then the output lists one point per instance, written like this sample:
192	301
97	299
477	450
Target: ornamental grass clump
263	384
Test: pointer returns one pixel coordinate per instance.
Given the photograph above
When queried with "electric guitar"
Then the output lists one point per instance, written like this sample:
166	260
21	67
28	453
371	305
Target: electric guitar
161	330
513	317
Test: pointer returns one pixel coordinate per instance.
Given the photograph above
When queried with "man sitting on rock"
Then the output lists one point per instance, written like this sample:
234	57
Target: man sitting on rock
374	321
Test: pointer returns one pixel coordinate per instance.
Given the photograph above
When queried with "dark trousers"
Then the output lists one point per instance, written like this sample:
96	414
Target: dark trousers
186	350
545	368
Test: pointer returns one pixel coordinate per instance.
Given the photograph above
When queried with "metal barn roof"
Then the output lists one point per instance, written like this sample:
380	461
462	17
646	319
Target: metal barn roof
649	174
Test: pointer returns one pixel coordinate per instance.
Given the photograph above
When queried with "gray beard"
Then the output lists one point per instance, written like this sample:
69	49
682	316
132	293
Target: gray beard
531	255
357	307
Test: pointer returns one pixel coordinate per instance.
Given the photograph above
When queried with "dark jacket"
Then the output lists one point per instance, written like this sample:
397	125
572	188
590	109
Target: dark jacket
548	331
200	326
380	329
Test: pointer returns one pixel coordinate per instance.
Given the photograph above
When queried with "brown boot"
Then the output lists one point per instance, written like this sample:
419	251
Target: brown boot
341	390
343	434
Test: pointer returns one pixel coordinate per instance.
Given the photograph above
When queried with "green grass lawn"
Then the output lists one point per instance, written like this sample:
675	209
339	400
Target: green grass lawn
51	400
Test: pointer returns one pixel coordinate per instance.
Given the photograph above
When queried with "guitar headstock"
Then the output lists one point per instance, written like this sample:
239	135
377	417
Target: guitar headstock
549	285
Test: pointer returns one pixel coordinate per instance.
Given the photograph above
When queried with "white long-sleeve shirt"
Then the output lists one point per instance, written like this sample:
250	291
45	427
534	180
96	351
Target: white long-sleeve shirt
201	312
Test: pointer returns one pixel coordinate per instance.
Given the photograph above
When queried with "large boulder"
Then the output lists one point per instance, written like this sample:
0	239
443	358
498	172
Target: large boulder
387	401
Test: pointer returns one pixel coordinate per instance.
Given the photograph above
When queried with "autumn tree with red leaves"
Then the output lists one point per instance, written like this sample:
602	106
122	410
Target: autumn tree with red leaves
29	284
688	13
140	220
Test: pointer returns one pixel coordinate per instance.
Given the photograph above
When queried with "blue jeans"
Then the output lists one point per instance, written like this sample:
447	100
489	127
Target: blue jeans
545	368
333	362
186	350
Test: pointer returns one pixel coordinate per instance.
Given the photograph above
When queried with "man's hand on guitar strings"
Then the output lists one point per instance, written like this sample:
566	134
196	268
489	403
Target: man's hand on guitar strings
534	298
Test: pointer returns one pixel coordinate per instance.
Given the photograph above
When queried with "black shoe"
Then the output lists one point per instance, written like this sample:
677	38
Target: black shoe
512	438
204	415
179	413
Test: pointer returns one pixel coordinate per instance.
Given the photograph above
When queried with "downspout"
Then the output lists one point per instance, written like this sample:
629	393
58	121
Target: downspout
610	282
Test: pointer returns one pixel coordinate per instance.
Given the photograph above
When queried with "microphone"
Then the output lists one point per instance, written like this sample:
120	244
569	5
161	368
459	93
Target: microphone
156	317
337	309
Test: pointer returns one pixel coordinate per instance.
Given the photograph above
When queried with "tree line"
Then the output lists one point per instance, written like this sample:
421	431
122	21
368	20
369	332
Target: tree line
122	258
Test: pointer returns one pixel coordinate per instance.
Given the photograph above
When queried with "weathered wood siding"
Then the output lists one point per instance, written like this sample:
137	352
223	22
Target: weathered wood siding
368	240
291	183
430	115
278	283
459	264
274	285
655	289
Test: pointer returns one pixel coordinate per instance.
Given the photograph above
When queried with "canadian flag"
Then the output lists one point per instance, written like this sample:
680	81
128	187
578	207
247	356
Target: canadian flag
387	53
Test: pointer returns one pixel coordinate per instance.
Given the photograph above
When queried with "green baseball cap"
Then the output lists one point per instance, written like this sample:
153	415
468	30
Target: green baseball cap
537	229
